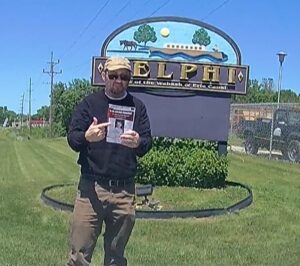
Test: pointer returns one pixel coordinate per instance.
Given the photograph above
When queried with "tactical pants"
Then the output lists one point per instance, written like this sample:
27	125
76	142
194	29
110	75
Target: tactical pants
94	204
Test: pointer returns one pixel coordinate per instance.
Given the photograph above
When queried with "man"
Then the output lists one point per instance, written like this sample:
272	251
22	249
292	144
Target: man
106	188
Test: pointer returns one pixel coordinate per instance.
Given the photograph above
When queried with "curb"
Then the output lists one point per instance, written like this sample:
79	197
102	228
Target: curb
201	213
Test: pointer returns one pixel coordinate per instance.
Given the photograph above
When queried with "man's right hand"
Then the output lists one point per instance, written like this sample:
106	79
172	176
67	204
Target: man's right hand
96	132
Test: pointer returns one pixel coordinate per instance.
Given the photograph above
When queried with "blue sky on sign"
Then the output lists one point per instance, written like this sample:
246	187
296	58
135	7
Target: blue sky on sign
76	30
178	33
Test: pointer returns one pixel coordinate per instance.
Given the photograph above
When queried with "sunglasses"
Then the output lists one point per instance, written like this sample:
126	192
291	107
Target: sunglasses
115	76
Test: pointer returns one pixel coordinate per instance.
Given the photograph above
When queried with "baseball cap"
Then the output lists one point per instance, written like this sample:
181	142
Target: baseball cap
115	63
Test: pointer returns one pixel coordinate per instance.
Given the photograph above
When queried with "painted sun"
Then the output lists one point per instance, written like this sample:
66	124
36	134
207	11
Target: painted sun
165	32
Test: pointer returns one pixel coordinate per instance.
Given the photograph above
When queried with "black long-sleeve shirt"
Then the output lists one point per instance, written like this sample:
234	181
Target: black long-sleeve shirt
102	158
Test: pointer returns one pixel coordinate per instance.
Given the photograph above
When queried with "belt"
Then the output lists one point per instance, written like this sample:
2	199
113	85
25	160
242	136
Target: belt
114	182
110	181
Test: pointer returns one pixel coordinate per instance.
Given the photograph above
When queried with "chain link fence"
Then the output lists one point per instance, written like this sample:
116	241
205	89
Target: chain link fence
267	129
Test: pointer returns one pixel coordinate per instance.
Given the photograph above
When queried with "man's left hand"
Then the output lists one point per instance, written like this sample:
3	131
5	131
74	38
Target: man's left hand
130	139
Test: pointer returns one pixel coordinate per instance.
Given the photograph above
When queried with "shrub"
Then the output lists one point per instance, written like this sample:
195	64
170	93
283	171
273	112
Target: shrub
36	132
190	163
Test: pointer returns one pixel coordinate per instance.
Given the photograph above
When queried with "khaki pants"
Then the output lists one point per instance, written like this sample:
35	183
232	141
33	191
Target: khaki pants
95	204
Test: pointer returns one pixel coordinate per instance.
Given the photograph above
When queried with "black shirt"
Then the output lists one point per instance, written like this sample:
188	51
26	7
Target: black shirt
101	158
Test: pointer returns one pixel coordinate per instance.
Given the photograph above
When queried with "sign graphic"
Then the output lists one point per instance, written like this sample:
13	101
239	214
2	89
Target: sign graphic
176	53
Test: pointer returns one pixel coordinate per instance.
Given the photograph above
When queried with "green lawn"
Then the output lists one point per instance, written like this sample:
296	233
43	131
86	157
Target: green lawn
171	198
266	233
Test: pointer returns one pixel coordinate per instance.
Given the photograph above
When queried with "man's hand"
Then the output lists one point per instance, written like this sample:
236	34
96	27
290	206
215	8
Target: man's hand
130	139
96	132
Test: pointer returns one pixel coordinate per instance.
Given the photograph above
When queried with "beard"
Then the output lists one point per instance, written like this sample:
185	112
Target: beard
116	90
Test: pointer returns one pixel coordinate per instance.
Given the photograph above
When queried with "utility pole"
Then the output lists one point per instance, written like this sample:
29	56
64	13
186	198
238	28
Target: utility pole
29	108
22	111
51	72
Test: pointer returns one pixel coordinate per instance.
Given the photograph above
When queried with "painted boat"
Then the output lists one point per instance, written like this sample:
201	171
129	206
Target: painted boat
187	50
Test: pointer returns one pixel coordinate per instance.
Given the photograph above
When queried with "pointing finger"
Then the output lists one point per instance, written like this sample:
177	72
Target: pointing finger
102	125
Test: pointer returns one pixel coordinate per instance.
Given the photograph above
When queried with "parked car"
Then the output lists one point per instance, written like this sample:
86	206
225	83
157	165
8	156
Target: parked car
286	134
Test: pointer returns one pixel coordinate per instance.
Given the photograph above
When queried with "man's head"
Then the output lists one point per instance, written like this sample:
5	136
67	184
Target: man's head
116	74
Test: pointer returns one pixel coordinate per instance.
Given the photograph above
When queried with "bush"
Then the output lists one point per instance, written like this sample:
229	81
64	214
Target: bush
189	163
59	130
41	132
36	132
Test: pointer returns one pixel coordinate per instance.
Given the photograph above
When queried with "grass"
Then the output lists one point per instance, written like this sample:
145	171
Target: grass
266	233
172	198
235	140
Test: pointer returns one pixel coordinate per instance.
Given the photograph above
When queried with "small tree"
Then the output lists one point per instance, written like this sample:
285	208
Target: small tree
145	33
42	113
201	37
66	97
5	113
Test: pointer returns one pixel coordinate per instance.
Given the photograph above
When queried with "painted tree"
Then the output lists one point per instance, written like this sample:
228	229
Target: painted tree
145	33
201	37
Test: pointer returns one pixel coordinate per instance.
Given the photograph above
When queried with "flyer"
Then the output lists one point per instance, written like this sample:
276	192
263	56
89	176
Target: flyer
121	119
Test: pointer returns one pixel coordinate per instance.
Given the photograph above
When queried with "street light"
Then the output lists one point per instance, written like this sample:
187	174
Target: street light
281	56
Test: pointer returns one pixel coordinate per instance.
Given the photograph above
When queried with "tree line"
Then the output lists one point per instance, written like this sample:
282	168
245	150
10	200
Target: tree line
264	92
67	96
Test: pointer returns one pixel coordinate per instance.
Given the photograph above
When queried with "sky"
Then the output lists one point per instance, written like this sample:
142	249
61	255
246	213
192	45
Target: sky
75	31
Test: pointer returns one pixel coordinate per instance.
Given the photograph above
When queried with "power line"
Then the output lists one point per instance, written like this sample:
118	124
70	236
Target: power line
51	72
216	9
109	22
104	25
93	37
122	8
159	8
86	28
